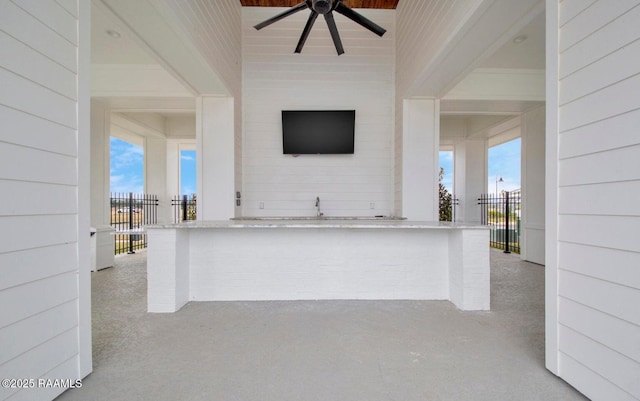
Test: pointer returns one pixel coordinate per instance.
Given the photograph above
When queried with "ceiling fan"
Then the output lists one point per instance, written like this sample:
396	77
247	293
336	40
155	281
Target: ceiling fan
326	8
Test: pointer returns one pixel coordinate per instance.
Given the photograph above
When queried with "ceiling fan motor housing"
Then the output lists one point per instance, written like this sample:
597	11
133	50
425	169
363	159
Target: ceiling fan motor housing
326	8
322	6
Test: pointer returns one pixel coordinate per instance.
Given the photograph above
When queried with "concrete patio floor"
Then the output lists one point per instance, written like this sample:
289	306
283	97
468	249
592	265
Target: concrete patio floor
320	350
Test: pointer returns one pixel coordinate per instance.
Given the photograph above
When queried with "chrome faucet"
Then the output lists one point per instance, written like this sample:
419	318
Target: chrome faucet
318	214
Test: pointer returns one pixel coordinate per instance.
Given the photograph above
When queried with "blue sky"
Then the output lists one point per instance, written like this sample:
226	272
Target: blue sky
504	161
446	162
187	172
127	167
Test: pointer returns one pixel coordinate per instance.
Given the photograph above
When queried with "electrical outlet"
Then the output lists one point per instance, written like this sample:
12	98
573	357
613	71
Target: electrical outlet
372	205
261	205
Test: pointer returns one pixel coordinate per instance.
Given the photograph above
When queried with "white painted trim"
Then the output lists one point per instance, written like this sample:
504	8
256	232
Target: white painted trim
551	188
85	360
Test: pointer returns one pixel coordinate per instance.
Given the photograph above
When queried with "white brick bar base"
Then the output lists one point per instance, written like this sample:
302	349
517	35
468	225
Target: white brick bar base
291	260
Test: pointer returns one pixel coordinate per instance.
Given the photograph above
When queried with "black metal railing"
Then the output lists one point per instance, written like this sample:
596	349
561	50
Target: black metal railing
184	208
129	214
501	212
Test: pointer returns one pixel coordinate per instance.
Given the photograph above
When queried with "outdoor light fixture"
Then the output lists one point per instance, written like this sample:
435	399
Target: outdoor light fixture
113	34
519	39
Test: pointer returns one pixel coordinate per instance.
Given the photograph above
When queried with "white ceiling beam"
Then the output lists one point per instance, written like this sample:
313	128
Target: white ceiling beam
500	84
129	124
126	80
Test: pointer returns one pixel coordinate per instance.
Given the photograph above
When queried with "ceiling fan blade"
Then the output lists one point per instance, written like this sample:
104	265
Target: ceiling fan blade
306	31
360	19
276	18
331	23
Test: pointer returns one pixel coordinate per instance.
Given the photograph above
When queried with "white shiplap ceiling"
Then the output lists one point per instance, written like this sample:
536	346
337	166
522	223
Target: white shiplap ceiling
106	49
528	54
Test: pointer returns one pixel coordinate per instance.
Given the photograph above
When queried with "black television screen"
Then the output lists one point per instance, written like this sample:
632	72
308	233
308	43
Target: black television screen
318	131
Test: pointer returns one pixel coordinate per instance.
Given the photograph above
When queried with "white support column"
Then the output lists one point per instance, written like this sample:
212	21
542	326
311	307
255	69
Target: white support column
552	51
100	170
155	170
215	146
533	183
420	144
470	178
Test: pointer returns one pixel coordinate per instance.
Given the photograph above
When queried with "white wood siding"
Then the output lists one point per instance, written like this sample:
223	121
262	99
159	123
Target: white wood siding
276	79
39	187
599	193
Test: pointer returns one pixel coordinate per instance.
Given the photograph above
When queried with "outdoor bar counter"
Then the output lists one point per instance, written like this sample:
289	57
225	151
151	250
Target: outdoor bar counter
317	258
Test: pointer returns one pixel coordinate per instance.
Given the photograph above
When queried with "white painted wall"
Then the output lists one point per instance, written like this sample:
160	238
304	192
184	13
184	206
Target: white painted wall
593	279
276	79
44	148
533	191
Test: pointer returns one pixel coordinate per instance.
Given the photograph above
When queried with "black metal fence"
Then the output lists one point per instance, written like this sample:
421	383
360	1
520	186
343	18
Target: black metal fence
502	214
129	214
184	208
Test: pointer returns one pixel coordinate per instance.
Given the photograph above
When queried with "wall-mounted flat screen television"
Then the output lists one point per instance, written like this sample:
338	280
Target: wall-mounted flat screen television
318	131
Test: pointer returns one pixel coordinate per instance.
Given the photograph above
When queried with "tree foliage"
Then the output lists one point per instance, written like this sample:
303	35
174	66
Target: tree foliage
446	199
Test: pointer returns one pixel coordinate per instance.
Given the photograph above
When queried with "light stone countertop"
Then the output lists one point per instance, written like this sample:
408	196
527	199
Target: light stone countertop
305	222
